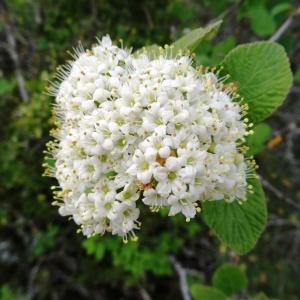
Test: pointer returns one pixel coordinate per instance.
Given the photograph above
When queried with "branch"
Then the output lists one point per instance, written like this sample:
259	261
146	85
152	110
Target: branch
285	26
278	193
13	53
230	10
274	220
148	16
182	274
144	294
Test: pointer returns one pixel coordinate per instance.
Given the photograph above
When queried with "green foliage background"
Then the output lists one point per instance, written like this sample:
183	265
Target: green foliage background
41	256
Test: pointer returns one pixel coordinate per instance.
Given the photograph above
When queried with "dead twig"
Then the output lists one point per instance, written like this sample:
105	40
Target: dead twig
285	26
148	16
144	294
11	48
278	193
182	274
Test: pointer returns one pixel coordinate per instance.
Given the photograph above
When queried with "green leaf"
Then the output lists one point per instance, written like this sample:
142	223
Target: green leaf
263	72
229	279
261	21
95	247
224	46
191	40
8	293
45	240
7	86
238	225
260	296
181	10
280	8
110	174
297	75
256	142
202	292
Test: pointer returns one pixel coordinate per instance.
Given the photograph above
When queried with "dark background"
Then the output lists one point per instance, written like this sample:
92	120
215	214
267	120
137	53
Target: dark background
41	256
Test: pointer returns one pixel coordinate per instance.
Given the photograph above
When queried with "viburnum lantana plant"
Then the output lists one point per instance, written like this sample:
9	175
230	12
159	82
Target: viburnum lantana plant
152	128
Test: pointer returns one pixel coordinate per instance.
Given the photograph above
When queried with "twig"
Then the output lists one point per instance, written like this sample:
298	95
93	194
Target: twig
294	131
278	193
31	289
37	13
144	294
182	274
148	16
13	53
193	272
296	242
285	26
280	222
227	12
295	89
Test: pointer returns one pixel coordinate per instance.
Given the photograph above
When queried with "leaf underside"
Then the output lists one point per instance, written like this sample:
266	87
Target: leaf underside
193	39
188	42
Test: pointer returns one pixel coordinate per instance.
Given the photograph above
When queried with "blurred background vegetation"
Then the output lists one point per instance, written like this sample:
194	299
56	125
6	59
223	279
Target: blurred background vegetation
41	256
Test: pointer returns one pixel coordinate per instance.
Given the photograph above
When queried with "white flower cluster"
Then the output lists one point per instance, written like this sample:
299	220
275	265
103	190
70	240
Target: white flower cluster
134	130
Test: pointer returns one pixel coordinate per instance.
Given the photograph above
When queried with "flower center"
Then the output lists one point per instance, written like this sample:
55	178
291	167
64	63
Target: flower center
183	201
105	189
172	175
145	165
90	168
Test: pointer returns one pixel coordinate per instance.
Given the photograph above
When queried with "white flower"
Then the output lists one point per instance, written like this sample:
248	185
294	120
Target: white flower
168	179
143	165
129	194
123	218
183	202
138	131
154	199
